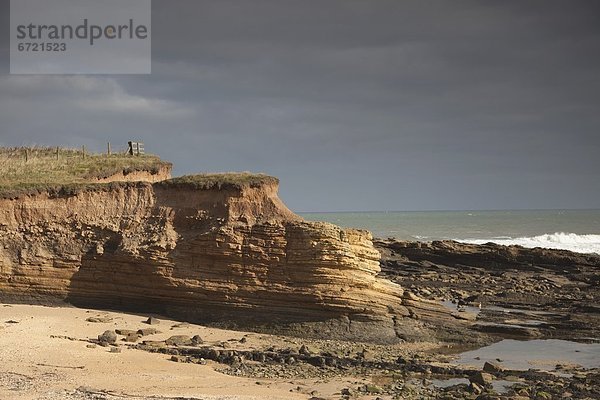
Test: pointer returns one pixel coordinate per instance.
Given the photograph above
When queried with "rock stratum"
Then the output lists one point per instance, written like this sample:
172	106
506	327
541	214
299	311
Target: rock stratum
516	292
211	251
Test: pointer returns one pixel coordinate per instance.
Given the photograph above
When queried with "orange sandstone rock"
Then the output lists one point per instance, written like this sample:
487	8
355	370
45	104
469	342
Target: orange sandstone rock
229	254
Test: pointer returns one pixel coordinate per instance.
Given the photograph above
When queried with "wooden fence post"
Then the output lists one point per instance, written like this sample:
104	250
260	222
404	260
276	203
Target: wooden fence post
26	155
108	148
56	153
83	151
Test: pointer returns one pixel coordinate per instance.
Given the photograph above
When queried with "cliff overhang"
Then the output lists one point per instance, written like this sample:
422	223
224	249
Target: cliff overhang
218	248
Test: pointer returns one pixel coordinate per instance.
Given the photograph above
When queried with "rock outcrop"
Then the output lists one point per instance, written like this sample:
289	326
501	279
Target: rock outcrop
222	253
510	291
490	255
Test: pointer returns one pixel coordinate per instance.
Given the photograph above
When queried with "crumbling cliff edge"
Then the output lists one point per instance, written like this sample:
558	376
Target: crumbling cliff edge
219	249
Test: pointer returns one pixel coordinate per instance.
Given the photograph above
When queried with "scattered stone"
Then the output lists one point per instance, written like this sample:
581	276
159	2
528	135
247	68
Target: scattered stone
12	321
475	388
132	337
236	361
492	367
179	340
243	340
304	350
366	355
154	343
115	349
481	378
108	337
147	331
401	360
152	321
99	319
197	340
125	332
369	388
90	346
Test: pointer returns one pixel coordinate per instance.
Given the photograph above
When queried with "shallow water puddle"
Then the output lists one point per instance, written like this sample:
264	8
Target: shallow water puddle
543	354
454	307
443	383
500	386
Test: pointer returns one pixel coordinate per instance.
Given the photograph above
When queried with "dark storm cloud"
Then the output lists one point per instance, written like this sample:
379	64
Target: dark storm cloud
353	104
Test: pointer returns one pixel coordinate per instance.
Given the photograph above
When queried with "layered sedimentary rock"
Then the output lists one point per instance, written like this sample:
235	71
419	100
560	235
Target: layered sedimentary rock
230	254
520	292
489	256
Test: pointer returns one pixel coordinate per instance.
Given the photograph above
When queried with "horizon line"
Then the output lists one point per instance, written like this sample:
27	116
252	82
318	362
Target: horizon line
447	210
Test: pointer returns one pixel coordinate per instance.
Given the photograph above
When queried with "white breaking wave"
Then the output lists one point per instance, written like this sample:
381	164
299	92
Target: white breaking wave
558	240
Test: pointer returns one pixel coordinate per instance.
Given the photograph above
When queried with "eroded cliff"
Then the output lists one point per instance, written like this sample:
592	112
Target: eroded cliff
205	249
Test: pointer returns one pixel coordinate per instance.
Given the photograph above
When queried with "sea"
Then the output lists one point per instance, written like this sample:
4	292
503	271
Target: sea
574	230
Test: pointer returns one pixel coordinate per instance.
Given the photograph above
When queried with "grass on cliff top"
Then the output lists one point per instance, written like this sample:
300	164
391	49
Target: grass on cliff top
221	180
40	169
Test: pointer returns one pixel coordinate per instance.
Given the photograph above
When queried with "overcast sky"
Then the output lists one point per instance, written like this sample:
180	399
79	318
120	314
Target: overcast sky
354	105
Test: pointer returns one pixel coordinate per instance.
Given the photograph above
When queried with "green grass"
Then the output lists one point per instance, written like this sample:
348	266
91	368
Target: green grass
43	171
220	181
72	173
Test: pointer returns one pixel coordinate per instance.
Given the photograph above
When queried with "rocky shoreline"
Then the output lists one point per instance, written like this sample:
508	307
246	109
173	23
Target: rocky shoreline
458	297
375	371
271	301
217	249
503	292
498	292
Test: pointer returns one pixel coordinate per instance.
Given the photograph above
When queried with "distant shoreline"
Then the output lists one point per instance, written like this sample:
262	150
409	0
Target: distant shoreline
574	230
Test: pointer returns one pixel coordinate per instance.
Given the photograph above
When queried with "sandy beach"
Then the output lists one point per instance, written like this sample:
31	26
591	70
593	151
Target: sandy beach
208	287
44	355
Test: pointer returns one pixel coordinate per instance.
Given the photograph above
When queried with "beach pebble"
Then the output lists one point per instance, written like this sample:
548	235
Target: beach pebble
108	337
